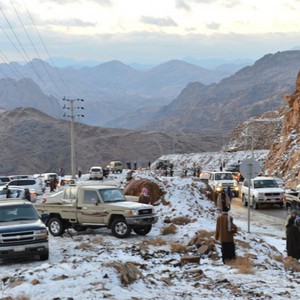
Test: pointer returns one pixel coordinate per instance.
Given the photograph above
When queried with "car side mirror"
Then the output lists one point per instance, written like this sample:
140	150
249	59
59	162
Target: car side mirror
44	217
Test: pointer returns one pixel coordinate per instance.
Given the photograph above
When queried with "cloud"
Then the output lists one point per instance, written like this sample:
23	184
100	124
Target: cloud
71	23
162	22
213	26
181	4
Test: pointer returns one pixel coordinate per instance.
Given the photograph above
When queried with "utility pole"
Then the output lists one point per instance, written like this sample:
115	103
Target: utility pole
72	116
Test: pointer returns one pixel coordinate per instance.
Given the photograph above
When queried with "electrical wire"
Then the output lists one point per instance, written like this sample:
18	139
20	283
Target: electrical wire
46	50
25	53
37	53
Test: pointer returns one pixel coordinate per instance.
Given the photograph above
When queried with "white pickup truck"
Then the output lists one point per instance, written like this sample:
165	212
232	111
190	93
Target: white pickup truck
263	190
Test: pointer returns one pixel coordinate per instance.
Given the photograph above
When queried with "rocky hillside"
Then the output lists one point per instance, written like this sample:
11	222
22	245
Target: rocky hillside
220	107
33	142
284	157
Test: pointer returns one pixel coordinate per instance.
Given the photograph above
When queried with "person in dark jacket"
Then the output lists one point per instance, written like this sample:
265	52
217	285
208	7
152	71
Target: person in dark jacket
145	196
225	230
293	237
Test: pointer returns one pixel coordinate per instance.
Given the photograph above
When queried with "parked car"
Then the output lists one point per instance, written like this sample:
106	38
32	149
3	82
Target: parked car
233	168
66	180
46	177
22	233
263	190
96	173
204	176
219	181
32	184
4	180
115	166
17	192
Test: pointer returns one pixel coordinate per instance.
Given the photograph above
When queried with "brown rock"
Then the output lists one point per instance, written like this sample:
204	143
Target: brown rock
135	186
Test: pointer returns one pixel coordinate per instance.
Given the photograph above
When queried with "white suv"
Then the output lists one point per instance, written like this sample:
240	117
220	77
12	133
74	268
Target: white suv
96	173
263	190
32	184
219	181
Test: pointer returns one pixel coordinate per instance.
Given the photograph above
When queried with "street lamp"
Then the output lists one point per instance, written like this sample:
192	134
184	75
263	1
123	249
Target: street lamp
72	116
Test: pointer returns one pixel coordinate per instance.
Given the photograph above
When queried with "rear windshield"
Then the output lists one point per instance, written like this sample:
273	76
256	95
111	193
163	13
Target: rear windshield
96	170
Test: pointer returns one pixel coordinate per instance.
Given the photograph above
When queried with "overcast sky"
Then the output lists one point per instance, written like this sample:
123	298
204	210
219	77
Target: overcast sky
147	31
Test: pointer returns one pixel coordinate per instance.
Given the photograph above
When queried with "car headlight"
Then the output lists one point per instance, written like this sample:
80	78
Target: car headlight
41	234
132	212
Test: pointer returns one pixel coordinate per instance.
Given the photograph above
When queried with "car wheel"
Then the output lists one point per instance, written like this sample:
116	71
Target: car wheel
255	204
56	227
245	203
143	230
120	228
44	256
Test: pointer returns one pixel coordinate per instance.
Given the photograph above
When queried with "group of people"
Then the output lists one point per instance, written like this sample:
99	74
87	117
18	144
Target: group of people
293	235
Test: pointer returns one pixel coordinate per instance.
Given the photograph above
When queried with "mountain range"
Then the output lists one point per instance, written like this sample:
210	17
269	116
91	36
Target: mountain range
172	96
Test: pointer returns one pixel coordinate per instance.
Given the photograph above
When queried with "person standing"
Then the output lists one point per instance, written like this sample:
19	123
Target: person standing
225	230
229	193
223	201
79	173
293	237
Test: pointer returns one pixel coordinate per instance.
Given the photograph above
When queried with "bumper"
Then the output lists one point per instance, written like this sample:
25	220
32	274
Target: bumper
142	220
28	250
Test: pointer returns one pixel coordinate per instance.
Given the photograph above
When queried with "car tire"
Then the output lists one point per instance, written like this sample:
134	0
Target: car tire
56	226
245	203
120	228
142	230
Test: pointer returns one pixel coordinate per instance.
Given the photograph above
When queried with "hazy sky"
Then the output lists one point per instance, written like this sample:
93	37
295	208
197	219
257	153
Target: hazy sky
148	31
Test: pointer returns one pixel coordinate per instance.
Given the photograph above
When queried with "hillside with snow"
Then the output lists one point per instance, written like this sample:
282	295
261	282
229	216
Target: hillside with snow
97	265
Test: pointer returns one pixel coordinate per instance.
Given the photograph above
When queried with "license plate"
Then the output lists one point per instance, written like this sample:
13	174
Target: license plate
19	249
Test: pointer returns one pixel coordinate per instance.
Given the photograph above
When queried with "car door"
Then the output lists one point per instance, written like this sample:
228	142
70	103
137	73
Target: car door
91	211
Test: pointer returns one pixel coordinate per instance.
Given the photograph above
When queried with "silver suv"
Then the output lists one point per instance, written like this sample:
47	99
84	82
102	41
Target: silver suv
96	173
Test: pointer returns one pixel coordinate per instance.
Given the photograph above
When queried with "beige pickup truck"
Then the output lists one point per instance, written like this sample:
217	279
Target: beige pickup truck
94	206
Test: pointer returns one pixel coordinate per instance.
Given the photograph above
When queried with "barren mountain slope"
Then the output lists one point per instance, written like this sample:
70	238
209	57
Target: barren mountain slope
33	142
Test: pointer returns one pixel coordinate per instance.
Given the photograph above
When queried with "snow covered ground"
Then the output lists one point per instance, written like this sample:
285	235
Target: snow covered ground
97	265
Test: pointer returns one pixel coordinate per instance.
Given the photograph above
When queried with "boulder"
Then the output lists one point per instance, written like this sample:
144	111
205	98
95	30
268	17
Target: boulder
135	186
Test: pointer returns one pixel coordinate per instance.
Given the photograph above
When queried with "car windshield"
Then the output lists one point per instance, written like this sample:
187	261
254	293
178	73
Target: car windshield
223	176
267	183
17	213
112	195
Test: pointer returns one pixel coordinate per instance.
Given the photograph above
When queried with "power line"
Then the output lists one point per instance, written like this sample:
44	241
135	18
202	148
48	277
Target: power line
20	44
46	50
30	40
11	66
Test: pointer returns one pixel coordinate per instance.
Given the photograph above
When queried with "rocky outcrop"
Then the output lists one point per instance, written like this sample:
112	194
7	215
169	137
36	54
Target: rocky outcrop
284	156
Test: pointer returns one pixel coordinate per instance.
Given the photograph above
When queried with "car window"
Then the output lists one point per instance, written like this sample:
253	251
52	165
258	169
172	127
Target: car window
111	195
259	184
89	195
